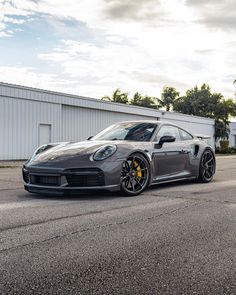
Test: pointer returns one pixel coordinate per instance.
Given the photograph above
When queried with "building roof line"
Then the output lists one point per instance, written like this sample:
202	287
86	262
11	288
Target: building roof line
146	111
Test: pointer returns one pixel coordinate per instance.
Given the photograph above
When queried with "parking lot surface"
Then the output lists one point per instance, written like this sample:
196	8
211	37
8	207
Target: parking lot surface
172	239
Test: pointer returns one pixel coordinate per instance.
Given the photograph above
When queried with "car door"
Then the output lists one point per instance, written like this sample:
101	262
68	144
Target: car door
171	160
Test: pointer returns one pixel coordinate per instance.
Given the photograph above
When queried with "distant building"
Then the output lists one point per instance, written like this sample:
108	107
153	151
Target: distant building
30	117
232	135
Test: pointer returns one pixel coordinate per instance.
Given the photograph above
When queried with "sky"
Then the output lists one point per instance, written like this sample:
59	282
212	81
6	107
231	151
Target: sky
92	47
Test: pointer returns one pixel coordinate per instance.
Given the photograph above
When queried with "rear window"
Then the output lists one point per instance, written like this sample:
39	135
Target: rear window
184	135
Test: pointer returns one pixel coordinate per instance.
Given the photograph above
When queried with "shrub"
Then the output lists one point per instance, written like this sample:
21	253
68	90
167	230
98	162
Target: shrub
228	150
224	144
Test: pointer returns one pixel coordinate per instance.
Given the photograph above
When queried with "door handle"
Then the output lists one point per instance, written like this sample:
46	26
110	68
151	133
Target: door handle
185	152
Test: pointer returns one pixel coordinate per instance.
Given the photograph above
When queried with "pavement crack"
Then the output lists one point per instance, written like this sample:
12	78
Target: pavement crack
66	217
111	224
10	189
49	220
198	199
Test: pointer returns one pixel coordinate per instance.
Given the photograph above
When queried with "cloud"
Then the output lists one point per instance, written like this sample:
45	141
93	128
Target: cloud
31	77
2	26
106	15
99	45
205	51
133	67
25	76
156	79
3	31
216	14
14	20
83	59
4	34
139	10
14	12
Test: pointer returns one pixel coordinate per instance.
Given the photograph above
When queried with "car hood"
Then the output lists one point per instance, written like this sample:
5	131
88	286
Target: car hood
68	152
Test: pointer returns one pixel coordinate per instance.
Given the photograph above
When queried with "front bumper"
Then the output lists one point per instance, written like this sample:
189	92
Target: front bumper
50	190
56	181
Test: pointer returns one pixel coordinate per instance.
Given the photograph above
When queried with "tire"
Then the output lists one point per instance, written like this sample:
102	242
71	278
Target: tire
135	175
207	167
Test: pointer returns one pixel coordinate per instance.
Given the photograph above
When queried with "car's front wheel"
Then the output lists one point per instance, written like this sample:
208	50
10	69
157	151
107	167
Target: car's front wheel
134	175
207	167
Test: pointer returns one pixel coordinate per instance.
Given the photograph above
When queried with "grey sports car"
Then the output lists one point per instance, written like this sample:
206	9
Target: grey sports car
127	157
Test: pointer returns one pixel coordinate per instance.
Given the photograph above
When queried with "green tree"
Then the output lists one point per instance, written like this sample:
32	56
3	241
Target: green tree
221	130
143	101
168	97
225	109
201	102
117	96
198	102
136	100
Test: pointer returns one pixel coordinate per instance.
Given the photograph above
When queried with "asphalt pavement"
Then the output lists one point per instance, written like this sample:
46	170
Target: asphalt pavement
178	238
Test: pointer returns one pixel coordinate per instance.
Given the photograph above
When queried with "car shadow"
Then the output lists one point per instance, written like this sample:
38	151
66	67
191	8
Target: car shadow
105	195
179	183
75	197
163	186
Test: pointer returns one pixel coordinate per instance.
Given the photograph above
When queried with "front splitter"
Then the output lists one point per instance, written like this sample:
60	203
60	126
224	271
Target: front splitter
55	190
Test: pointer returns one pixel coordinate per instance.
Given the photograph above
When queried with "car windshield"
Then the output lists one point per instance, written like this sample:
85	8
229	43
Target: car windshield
135	131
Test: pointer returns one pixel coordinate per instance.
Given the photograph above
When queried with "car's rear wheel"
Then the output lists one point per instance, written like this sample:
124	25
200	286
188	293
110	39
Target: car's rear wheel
207	167
134	175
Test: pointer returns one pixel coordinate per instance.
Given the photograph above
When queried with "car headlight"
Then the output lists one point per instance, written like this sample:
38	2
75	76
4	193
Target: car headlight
41	149
104	152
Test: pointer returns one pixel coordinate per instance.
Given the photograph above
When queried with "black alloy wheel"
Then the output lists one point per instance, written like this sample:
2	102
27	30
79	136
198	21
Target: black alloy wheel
134	175
207	167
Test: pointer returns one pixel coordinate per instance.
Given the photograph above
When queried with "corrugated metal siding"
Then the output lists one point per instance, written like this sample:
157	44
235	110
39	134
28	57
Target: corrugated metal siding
20	120
8	90
232	135
23	92
80	123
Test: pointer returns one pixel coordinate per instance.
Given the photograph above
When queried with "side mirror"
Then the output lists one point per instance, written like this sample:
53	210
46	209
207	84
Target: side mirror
163	139
167	138
90	137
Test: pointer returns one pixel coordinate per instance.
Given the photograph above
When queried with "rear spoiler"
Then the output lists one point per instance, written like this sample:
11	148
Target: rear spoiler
202	136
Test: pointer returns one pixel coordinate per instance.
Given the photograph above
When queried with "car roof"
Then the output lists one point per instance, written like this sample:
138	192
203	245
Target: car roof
149	121
158	122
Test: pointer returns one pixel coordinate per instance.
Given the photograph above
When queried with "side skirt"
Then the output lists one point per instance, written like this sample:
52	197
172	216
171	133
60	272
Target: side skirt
171	180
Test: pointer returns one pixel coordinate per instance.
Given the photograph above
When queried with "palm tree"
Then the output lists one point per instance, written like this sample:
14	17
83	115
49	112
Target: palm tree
137	99
117	96
168	97
143	101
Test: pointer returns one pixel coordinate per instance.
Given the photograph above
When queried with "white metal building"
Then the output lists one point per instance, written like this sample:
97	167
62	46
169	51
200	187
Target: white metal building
30	117
232	135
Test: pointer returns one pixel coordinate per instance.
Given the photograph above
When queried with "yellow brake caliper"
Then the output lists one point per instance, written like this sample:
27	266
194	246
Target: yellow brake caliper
138	169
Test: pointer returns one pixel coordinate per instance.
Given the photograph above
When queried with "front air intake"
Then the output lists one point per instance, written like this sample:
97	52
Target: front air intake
85	177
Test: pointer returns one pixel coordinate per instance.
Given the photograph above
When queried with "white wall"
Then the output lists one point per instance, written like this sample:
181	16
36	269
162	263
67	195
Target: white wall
232	136
80	123
19	124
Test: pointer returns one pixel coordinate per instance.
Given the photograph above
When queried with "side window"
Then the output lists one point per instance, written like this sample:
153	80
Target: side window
168	130
185	135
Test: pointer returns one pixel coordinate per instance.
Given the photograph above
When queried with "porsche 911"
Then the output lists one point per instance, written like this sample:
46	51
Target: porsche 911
127	157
